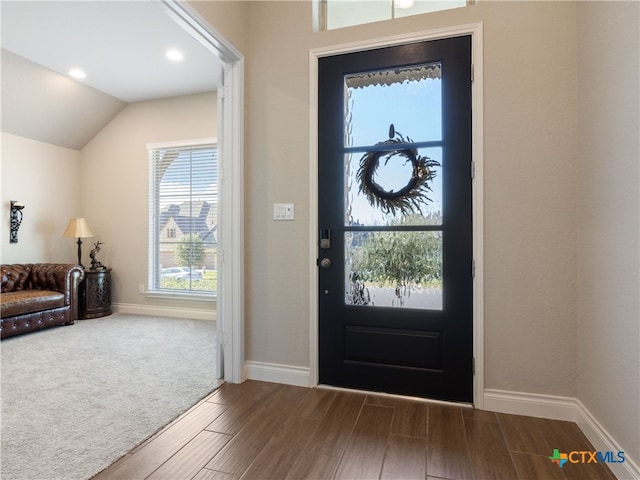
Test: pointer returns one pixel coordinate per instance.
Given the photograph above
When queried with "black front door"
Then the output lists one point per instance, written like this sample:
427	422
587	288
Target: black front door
395	226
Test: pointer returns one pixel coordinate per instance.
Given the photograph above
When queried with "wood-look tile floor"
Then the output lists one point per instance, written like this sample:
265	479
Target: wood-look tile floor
259	430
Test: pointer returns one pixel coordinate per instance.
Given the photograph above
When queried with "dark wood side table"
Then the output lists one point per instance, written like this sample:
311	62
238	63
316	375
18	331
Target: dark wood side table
95	294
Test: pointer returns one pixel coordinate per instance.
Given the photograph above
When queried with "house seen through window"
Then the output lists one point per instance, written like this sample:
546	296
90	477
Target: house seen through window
183	218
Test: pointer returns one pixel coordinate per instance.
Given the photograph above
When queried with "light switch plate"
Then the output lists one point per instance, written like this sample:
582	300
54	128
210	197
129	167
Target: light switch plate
283	211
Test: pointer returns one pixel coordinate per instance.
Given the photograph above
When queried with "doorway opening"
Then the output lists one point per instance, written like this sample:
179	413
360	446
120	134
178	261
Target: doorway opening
230	300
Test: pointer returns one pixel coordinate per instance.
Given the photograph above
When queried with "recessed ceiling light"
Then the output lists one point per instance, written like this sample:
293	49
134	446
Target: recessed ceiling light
174	55
77	73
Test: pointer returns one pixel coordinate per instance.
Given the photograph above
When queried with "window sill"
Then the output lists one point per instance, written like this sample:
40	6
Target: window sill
201	297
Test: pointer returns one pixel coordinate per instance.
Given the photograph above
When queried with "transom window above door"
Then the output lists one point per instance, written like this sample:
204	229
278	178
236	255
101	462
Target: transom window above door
346	13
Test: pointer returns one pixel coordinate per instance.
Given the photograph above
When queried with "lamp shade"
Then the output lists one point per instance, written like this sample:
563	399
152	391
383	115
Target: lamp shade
78	228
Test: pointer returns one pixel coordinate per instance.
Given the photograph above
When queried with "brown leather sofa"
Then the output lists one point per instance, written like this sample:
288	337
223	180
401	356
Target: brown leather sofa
39	295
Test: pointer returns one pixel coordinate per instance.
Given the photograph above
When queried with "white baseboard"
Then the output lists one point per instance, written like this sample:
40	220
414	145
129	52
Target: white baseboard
604	442
531	404
272	372
562	408
172	312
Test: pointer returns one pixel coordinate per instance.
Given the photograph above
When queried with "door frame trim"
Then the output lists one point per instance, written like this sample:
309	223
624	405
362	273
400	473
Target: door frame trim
475	30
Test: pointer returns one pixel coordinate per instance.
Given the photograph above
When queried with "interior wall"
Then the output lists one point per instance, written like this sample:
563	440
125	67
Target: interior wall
277	171
609	218
529	195
114	188
45	178
530	184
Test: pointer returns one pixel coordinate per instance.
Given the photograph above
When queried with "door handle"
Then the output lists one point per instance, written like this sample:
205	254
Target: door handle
324	262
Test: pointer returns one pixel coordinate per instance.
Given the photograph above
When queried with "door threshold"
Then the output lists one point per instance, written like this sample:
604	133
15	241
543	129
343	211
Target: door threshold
398	396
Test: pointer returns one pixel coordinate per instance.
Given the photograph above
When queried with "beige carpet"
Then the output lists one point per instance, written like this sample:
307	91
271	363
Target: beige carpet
76	398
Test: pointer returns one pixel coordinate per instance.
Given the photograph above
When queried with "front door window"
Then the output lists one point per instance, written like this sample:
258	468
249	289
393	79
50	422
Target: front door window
393	185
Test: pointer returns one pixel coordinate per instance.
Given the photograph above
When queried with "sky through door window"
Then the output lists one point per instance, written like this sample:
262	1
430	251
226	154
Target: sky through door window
183	218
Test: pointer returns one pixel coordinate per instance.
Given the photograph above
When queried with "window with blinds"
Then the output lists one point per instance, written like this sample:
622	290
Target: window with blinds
183	218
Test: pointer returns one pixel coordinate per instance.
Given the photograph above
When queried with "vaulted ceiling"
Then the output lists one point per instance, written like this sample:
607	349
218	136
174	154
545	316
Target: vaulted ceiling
120	45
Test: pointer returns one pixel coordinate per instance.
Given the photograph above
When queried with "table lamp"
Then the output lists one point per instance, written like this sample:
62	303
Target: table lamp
79	229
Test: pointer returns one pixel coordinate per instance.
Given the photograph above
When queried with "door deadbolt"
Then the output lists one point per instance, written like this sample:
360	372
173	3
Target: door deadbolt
325	238
325	263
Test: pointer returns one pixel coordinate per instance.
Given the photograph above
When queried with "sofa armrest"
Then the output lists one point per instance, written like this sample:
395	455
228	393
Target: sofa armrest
59	277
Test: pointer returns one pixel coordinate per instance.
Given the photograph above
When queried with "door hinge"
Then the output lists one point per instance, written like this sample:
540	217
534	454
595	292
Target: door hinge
473	268
472	73
473	365
473	169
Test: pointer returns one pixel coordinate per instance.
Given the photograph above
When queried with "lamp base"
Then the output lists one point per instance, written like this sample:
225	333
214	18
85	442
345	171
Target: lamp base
80	252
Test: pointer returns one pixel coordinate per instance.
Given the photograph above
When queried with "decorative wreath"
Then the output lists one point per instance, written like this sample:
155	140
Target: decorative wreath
409	198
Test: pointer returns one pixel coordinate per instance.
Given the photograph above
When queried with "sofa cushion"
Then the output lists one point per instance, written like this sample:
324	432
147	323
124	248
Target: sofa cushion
14	277
28	301
48	276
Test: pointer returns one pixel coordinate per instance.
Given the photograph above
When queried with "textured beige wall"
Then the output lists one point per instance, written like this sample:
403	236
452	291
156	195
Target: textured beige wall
529	225
530	183
277	171
529	189
609	218
45	178
114	189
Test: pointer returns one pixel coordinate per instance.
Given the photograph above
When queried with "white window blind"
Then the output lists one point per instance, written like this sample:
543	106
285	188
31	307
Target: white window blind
183	218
